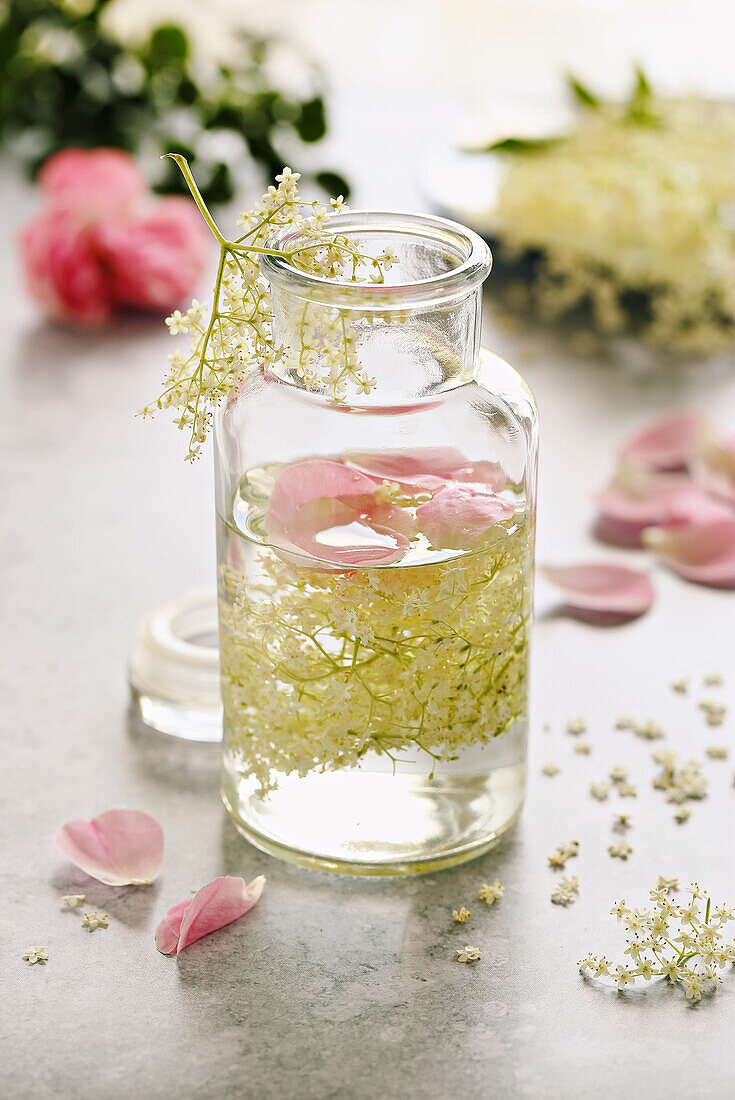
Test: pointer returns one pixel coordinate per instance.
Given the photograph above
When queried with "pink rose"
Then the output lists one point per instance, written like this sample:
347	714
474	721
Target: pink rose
102	242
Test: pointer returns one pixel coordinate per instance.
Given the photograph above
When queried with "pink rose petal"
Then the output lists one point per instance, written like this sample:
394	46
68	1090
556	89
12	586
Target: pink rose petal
714	466
328	510
700	552
217	904
602	593
457	516
119	848
637	498
666	443
426	468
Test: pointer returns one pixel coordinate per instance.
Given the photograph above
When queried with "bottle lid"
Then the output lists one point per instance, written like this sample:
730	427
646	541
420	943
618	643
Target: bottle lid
174	669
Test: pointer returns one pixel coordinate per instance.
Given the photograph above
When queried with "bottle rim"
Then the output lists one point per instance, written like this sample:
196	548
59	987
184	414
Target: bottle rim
473	256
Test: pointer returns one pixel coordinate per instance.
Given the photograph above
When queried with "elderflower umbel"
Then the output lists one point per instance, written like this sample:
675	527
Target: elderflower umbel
653	936
490	892
234	336
461	915
469	954
36	955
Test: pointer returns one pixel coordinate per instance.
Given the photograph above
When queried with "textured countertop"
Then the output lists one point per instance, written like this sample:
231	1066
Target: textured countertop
331	987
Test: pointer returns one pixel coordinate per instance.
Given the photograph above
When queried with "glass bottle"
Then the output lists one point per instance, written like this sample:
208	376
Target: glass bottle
376	565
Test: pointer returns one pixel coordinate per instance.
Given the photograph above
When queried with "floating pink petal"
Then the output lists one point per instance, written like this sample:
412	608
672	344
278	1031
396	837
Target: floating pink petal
426	468
667	443
700	552
714	466
602	593
119	848
457	517
217	904
638	497
327	510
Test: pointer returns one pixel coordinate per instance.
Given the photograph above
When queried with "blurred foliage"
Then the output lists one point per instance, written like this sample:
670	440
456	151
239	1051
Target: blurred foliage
65	80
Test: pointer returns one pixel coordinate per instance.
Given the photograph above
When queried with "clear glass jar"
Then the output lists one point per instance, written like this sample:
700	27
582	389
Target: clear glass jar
376	567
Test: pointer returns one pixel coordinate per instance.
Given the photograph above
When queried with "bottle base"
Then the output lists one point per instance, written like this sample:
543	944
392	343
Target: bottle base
376	824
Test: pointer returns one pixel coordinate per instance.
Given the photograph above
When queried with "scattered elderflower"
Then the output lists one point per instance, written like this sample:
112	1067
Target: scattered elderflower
712	680
36	955
583	748
623	722
621	822
95	920
667	884
461	915
550	769
620	849
680	779
618	774
600	791
627	790
565	890
490	892
71	901
469	954
680	686
575	726
563	852
714	713
653	937
717	752
682	814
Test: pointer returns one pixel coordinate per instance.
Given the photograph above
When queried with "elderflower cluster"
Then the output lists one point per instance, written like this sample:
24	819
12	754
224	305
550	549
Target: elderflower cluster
563	852
566	890
633	222
235	335
320	666
684	943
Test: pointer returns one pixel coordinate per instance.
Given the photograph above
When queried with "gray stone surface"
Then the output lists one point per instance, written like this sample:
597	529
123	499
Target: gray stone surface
331	987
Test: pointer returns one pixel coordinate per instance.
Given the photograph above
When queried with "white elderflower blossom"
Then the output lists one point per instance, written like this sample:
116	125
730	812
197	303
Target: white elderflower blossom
563	852
714	712
36	955
234	336
576	726
321	667
582	747
461	916
621	822
469	954
679	779
717	752
629	215
565	891
600	791
94	920
620	849
678	943
550	769
490	892
71	901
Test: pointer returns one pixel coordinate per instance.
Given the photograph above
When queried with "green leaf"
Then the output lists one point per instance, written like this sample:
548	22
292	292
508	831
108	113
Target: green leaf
582	93
311	123
518	145
640	109
167	46
333	183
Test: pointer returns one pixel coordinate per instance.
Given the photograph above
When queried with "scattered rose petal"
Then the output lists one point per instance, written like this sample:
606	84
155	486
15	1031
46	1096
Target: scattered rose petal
602	593
714	466
638	497
119	848
700	552
667	443
457	517
217	904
